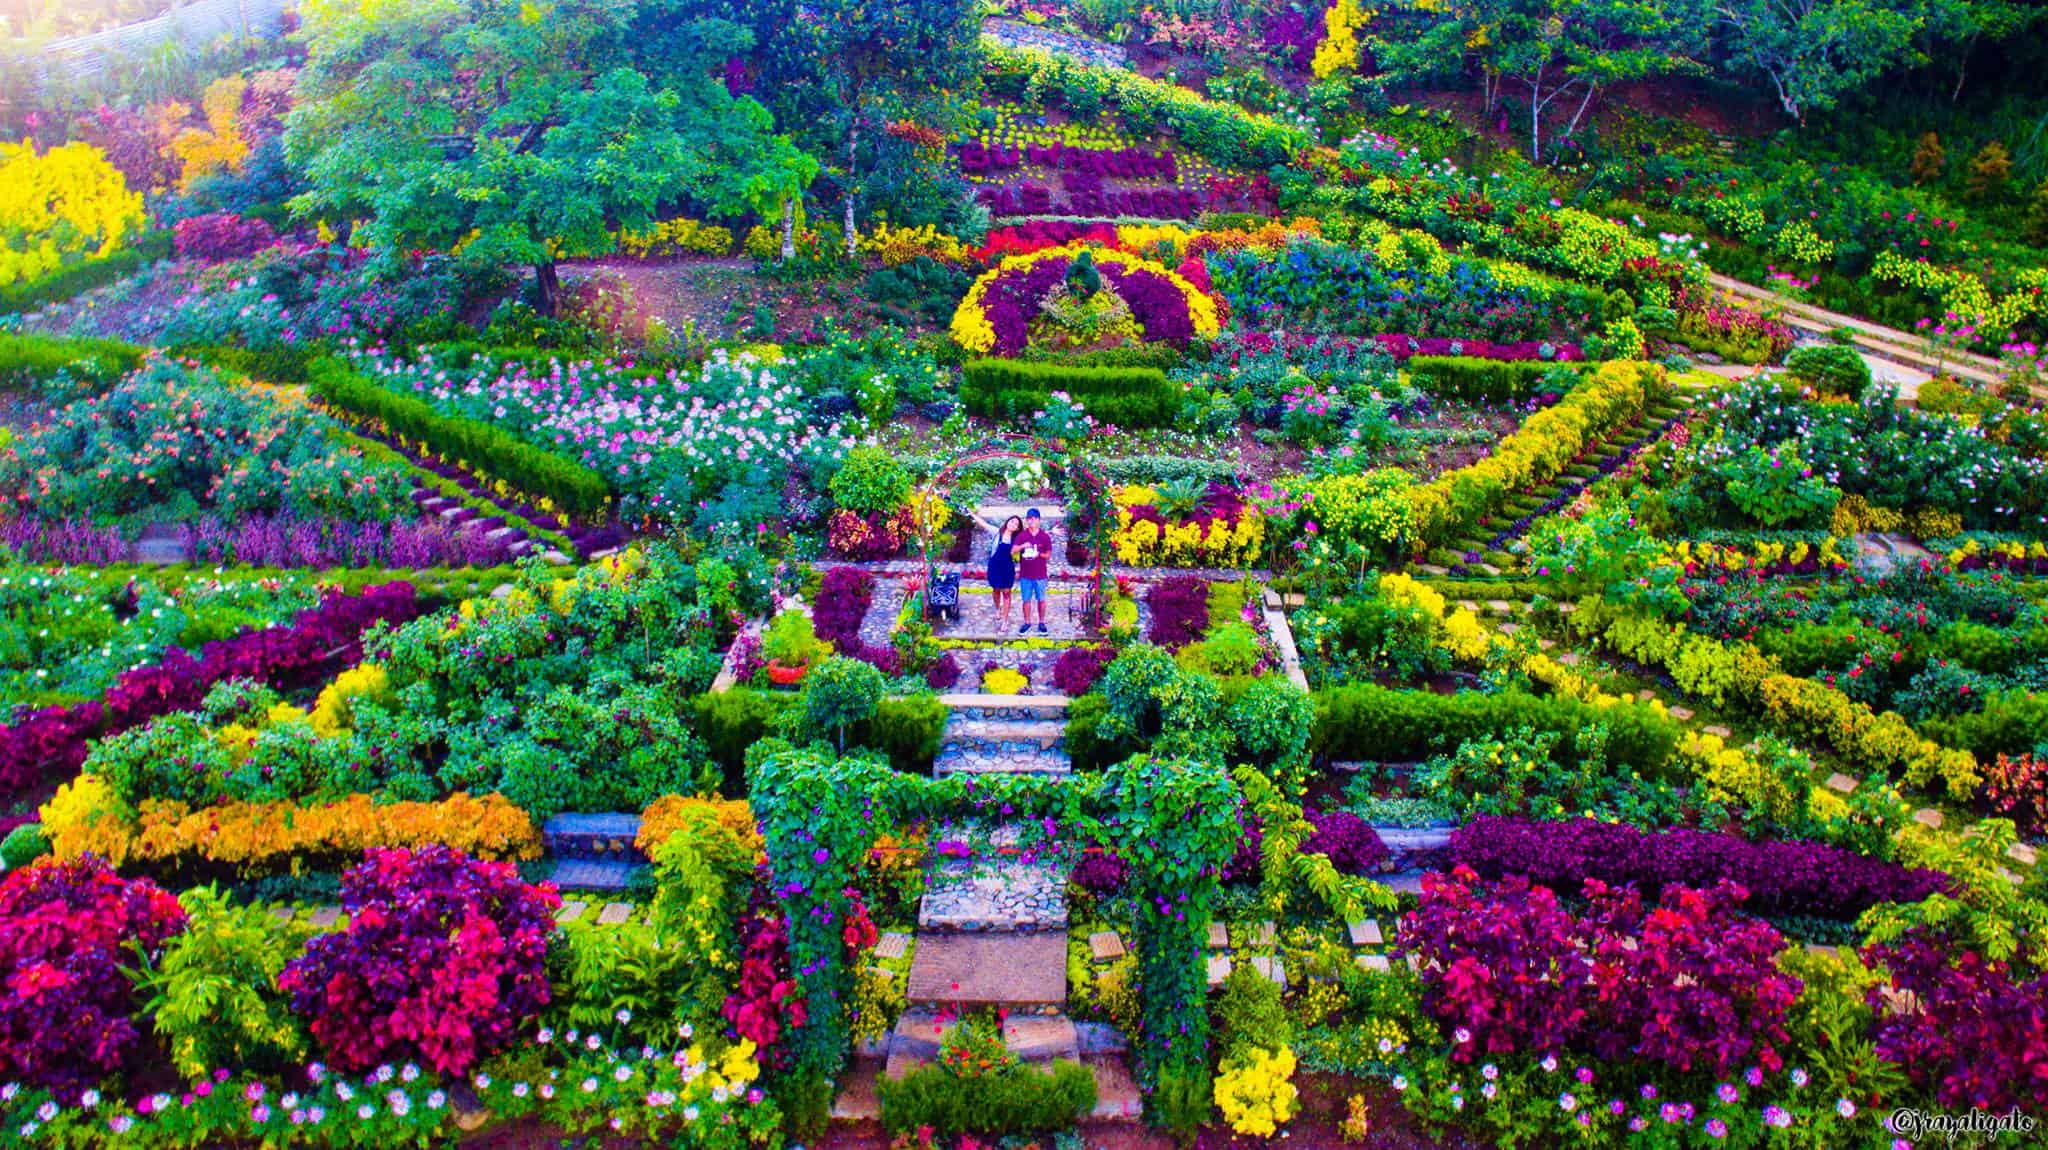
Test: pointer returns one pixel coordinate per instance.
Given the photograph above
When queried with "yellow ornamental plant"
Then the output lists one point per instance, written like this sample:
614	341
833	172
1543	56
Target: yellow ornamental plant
220	146
60	205
333	712
1257	1095
1339	49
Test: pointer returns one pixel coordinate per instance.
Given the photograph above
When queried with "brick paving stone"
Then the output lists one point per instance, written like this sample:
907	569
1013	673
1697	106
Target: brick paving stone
1116	1091
1105	946
1219	936
893	944
1928	817
1375	962
1264	934
1716	730
1569	658
1509	628
2021	853
614	913
1646	695
324	917
1500	606
1009	970
571	911
1682	714
1469	605
1366	932
1545	644
1218	969
1270	966
1841	783
857	1100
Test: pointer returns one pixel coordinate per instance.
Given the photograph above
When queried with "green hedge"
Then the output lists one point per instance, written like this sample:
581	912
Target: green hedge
1468	378
908	730
268	365
1125	396
28	361
62	284
1379	724
1023	1100
574	488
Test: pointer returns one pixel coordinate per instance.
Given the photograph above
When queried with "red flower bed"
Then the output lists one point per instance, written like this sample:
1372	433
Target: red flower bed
66	930
1979	1038
444	960
221	236
53	740
1687	983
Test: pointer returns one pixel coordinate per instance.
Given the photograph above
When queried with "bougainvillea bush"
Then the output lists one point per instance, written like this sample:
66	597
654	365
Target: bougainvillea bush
1978	1035
66	931
1686	982
444	960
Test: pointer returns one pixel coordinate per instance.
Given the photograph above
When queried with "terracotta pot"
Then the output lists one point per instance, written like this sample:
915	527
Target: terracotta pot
783	675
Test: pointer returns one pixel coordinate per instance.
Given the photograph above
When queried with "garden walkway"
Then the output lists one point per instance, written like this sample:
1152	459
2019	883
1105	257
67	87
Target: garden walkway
1878	343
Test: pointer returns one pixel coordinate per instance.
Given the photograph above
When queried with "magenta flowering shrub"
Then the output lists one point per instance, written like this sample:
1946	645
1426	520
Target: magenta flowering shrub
1781	877
1350	842
844	596
1687	983
221	236
1012	299
1101	871
1180	611
1979	1038
1075	671
444	959
53	740
65	932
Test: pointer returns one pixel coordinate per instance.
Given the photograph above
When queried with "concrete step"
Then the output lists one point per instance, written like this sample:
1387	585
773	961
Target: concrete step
997	708
1045	734
592	836
1019	972
1117	1098
1041	1037
974	759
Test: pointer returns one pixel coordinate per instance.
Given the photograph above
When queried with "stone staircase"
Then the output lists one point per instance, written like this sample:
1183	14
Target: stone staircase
593	852
992	928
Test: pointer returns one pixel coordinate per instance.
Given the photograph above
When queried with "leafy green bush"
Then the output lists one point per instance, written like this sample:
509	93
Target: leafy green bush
1489	379
1018	1100
1125	396
1372	723
78	278
839	693
23	845
1831	368
33	363
871	481
571	486
213	996
908	730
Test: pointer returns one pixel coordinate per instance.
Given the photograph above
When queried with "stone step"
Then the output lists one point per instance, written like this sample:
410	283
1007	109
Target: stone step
593	836
1041	1037
973	759
595	874
985	708
1117	1098
1020	972
1045	734
995	895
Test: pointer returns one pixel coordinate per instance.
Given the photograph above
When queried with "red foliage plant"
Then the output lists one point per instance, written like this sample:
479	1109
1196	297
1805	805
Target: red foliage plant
1979	1035
444	960
766	1005
1687	983
65	929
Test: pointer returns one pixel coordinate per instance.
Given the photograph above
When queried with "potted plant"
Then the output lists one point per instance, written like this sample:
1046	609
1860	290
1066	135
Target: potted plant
791	645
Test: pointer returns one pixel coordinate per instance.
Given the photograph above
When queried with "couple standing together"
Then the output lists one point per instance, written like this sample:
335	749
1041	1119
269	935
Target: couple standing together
1020	560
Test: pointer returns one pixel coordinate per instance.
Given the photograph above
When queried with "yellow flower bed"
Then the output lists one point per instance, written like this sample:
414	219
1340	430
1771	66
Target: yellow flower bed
85	816
676	236
972	330
1143	543
1759	556
1257	1095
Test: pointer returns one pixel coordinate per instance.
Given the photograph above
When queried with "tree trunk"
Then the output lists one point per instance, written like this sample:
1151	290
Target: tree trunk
550	288
852	146
789	229
1535	126
1572	128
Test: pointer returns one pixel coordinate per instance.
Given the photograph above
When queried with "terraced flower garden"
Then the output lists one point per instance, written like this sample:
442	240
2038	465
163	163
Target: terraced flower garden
1025	576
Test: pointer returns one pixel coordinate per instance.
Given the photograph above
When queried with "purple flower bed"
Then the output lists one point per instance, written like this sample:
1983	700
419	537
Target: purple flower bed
1781	877
1077	668
1101	871
1012	299
1351	844
53	739
221	236
74	542
1180	611
1980	1037
844	596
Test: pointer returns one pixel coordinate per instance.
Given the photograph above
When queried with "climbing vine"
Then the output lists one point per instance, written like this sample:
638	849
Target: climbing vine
1087	491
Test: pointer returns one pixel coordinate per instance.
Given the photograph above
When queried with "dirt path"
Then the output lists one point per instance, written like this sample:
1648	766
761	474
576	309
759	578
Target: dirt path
1898	349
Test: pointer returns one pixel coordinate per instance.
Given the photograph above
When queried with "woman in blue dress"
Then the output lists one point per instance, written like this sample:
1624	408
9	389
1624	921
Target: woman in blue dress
1002	566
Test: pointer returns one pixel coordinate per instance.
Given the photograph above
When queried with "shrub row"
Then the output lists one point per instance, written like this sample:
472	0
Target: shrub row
62	284
53	739
573	488
1805	878
27	362
1466	377
267	365
1371	723
1015	1100
908	729
1610	396
1125	396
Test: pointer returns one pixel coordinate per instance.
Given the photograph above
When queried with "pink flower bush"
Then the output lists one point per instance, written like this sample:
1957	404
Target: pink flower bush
444	959
65	932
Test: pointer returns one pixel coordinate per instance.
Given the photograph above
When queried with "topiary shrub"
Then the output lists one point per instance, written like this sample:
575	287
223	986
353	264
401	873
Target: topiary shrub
1831	368
66	931
443	961
23	845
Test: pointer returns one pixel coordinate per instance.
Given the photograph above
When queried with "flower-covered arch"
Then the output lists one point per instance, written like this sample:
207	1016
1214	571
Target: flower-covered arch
1087	495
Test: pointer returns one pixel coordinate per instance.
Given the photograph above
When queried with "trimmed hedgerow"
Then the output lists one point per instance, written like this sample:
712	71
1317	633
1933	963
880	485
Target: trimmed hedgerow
29	362
1379	724
1124	396
572	487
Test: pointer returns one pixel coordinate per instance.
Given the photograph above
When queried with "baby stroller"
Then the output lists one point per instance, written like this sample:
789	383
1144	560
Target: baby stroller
942	596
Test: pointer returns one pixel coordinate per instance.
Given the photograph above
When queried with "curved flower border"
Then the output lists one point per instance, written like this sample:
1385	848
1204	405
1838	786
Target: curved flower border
995	315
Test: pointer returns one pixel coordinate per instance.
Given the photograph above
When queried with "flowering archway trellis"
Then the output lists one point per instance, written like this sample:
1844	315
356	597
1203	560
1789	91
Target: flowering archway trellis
1173	820
1087	493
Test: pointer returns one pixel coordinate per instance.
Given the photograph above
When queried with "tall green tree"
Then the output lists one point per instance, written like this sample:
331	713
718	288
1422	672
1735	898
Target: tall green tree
517	133
1565	50
1814	52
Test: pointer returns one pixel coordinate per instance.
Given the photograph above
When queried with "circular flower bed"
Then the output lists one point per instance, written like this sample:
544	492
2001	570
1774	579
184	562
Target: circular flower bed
995	317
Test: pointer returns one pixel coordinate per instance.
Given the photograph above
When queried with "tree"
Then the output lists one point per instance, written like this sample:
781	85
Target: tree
1563	48
1928	159
512	134
1990	170
1954	28
1814	51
